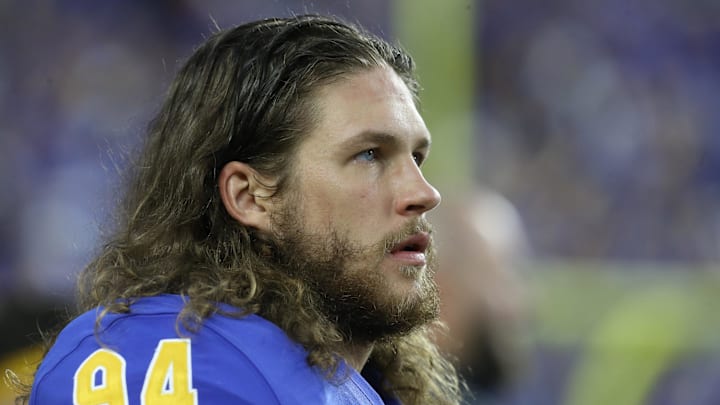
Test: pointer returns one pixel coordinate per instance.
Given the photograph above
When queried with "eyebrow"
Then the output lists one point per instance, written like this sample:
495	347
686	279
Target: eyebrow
382	138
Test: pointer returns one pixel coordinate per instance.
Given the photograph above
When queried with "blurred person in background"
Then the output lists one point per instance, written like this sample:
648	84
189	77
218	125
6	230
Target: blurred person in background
481	246
272	245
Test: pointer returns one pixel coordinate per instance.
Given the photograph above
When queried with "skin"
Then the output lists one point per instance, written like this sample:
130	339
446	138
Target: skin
358	174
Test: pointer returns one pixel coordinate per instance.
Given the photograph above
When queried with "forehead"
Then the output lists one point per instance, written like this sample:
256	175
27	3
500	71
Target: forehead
372	101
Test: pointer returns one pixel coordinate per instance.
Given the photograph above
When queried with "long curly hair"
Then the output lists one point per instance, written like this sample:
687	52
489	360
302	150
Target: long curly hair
245	95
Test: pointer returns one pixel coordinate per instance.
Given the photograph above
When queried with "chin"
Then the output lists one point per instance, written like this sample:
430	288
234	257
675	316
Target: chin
413	272
410	278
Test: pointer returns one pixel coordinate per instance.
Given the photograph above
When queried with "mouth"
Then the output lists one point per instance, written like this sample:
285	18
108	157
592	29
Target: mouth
415	243
411	251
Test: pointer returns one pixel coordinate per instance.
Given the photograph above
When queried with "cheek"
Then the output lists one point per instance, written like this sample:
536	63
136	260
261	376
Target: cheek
336	199
365	194
357	208
369	190
323	200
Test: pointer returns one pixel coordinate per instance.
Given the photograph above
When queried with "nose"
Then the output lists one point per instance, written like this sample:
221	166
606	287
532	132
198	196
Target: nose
415	195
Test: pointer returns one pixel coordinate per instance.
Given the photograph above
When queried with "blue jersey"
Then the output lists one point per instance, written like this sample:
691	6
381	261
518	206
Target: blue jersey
140	358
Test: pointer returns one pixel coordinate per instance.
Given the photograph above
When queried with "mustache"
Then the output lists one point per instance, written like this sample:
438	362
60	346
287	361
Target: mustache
411	228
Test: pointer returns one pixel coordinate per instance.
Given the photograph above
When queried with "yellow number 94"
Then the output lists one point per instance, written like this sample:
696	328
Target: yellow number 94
100	379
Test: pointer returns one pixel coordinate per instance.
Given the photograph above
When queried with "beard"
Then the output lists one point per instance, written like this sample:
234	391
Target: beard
349	284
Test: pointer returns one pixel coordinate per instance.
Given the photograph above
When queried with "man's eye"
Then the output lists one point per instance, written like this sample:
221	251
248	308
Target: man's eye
369	155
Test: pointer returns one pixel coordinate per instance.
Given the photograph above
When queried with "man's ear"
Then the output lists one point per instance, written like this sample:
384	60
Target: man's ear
245	198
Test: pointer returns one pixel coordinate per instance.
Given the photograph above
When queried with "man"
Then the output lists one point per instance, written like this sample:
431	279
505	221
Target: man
272	246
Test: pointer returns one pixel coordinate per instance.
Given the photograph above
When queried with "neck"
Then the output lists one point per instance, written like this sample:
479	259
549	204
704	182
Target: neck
356	355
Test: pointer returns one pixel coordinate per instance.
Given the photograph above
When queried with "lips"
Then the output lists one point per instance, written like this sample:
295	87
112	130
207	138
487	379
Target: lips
411	251
416	243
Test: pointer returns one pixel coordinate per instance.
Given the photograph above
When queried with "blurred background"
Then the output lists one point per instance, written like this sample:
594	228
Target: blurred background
574	141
